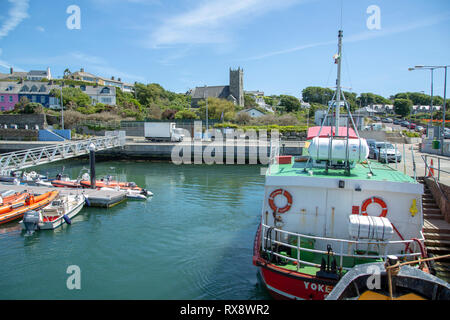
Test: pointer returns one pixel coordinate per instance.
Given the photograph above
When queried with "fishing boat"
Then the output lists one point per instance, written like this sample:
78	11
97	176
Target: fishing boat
31	203
392	281
61	210
332	209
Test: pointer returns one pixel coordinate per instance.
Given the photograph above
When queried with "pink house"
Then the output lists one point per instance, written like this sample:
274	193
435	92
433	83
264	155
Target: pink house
9	96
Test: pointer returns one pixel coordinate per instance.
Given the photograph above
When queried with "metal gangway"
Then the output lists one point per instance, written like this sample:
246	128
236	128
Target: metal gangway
23	159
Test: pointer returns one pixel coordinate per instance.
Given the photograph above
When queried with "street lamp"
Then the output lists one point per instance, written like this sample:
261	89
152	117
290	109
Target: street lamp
62	106
432	68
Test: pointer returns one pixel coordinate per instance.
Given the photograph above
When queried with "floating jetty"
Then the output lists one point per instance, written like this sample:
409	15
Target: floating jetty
95	198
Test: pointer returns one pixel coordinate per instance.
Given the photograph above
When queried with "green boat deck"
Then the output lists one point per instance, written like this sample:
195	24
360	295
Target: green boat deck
381	172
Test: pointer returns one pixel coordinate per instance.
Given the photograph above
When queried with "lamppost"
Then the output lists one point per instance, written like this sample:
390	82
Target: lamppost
205	95
62	106
432	68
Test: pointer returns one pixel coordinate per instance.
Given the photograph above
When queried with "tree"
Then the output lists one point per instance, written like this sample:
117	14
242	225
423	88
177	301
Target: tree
33	107
186	114
317	95
403	107
169	114
243	118
217	107
70	94
290	103
249	101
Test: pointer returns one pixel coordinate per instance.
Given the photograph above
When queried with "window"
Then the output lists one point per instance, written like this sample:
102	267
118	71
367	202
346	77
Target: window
10	99
33	99
42	99
106	100
105	90
2	98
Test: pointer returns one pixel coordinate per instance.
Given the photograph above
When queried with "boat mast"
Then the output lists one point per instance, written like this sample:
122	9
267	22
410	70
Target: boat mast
338	83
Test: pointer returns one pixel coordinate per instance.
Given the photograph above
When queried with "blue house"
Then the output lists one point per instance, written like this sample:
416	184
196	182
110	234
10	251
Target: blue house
37	92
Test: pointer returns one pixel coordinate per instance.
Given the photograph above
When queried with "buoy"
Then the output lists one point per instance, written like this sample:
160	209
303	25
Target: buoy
67	219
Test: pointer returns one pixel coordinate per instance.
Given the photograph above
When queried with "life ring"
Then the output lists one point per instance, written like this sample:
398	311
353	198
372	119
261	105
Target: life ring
272	201
374	200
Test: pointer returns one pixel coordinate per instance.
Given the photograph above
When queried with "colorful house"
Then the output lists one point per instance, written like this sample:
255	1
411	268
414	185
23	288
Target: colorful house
9	96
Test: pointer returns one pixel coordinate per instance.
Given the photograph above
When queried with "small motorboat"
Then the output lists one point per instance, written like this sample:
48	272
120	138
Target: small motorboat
390	281
59	211
109	183
31	202
131	194
63	181
12	202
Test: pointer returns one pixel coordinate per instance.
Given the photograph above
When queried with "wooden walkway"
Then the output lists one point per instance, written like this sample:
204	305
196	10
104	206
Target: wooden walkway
95	198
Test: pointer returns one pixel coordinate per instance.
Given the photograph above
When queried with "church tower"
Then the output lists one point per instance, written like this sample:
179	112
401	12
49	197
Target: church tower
237	85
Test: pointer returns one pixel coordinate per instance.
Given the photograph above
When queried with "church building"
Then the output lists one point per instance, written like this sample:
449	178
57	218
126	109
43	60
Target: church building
233	92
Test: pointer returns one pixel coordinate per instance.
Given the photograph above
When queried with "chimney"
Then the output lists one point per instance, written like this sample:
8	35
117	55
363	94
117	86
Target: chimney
119	79
112	78
11	70
82	70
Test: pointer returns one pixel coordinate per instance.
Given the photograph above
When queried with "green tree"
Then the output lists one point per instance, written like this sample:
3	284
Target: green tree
74	95
403	107
216	107
186	114
317	95
290	103
249	101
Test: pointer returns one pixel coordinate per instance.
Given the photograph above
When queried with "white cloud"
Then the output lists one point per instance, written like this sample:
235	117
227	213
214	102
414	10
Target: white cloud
16	14
40	29
211	21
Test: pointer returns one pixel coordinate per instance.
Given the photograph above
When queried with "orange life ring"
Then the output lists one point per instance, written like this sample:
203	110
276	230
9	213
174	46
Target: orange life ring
374	200
277	193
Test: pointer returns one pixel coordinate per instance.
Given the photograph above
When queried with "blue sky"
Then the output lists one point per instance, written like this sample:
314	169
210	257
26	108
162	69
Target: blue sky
283	46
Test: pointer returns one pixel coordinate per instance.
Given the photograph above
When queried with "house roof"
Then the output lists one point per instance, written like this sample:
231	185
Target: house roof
37	73
214	92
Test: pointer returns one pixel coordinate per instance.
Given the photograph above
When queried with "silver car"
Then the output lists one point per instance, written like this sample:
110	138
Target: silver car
386	151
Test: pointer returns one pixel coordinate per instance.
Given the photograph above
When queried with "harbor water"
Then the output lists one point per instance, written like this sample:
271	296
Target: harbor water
192	240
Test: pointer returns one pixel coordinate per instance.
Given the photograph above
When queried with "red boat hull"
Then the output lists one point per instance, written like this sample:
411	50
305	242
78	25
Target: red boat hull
284	284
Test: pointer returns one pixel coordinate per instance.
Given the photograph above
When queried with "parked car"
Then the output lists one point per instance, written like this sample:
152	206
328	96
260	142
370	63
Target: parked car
446	133
397	121
387	120
386	151
420	128
412	126
404	123
372	146
376	118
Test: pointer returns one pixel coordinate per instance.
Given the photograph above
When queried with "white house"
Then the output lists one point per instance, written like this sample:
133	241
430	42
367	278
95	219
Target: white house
38	75
252	112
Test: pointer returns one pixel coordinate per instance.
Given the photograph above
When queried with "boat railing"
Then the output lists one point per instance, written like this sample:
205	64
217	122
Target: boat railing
342	244
274	153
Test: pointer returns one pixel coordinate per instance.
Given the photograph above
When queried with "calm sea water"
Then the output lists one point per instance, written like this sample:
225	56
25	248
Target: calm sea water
192	240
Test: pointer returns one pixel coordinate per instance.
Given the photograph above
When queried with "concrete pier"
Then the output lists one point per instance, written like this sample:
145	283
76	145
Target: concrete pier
139	148
96	198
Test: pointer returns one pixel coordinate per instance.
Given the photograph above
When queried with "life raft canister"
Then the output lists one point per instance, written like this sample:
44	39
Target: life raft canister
383	205
272	201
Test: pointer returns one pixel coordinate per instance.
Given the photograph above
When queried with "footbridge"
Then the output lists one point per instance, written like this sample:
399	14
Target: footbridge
23	159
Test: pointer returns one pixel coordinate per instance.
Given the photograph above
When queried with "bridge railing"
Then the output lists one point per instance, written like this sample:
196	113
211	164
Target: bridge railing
23	159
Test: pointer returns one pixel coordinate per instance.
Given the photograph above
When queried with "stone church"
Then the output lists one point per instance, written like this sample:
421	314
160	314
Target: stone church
234	92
